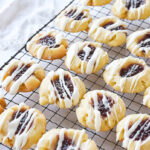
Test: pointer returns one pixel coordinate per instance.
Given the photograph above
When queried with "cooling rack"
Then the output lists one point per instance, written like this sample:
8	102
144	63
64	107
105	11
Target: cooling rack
60	118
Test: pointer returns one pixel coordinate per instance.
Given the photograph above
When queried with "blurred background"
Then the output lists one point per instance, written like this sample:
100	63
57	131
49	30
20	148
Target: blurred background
19	19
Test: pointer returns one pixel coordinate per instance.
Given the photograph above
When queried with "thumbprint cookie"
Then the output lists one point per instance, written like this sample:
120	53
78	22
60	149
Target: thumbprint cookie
131	9
48	46
128	75
86	57
100	110
21	127
74	19
146	99
66	139
95	2
2	103
138	43
61	88
20	76
134	131
109	30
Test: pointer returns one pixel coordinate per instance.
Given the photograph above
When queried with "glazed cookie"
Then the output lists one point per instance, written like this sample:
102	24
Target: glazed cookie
61	88
109	30
74	19
146	99
128	75
66	139
131	9
134	131
86	57
2	103
49	46
138	43
95	2
20	76
100	110
21	126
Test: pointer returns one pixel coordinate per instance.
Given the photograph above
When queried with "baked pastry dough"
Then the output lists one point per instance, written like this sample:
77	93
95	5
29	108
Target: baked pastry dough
74	19
134	131
109	30
62	89
100	110
95	2
21	126
138	43
131	9
128	75
66	139
86	57
49	46
20	76
2	103
146	99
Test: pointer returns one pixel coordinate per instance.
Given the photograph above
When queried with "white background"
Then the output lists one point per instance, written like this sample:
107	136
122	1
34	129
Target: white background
20	19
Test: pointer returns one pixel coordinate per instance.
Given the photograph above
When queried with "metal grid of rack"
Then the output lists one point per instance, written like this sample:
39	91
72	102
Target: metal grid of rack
59	118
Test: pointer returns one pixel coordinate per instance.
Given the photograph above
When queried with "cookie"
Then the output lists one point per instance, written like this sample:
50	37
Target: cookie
48	45
100	110
21	126
20	76
109	30
131	9
95	2
146	99
74	19
128	75
86	57
138	43
61	88
2	103
66	139
134	131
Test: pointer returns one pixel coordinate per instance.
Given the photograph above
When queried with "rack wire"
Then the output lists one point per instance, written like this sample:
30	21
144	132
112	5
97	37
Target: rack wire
60	118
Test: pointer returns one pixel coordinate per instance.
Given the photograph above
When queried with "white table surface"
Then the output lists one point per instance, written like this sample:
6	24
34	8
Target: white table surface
5	55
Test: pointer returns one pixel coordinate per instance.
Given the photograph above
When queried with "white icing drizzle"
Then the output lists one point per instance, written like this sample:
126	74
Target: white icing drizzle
93	61
65	19
97	29
146	99
132	38
127	132
113	67
20	138
41	48
53	90
84	2
1	95
77	143
16	84
97	113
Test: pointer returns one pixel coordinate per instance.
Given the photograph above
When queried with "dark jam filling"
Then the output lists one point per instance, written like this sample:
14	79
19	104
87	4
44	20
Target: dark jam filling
101	107
142	132
143	42
131	70
60	87
71	14
81	53
116	28
21	127
66	143
134	3
23	69
48	41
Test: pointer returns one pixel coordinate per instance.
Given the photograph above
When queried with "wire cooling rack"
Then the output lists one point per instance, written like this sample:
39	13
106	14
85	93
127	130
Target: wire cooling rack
60	118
